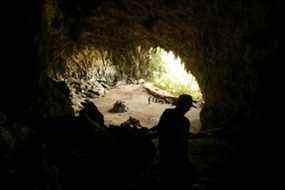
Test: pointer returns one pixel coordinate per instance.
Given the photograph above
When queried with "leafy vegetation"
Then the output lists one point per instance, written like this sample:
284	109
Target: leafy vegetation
168	73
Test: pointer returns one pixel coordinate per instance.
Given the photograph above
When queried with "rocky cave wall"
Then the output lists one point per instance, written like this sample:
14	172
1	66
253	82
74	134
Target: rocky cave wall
20	69
223	43
220	41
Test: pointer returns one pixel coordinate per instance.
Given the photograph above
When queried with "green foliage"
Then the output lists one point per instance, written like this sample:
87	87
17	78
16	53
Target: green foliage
163	77
155	67
176	89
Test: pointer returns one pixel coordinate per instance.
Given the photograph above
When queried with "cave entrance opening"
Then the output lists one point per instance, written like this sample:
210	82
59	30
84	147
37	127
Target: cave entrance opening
146	98
168	72
98	77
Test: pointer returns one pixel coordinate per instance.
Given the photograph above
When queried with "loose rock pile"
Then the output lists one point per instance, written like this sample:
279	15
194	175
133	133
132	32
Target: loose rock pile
81	90
119	107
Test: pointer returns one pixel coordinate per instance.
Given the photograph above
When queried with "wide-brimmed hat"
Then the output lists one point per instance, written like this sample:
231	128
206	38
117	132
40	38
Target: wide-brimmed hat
186	99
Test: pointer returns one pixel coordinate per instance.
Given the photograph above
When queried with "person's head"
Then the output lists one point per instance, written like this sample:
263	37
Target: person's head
184	103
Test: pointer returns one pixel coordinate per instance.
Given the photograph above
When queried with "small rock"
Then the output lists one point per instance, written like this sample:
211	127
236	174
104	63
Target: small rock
119	107
132	122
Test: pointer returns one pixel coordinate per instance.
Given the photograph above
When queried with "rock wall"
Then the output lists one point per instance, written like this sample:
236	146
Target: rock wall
220	41
19	69
223	43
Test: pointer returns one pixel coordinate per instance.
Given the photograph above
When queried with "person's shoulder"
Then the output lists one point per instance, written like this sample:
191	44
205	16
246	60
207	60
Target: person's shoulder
168	111
167	114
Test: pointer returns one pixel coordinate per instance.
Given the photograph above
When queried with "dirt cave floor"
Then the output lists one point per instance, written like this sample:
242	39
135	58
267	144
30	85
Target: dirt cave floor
135	97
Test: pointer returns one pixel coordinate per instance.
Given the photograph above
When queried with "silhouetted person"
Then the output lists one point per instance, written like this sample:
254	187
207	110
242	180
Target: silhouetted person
173	129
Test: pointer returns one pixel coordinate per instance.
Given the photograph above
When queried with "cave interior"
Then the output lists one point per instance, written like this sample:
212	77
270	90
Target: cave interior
71	51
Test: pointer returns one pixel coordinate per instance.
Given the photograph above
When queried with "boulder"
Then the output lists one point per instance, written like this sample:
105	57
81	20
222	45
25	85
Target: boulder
119	107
